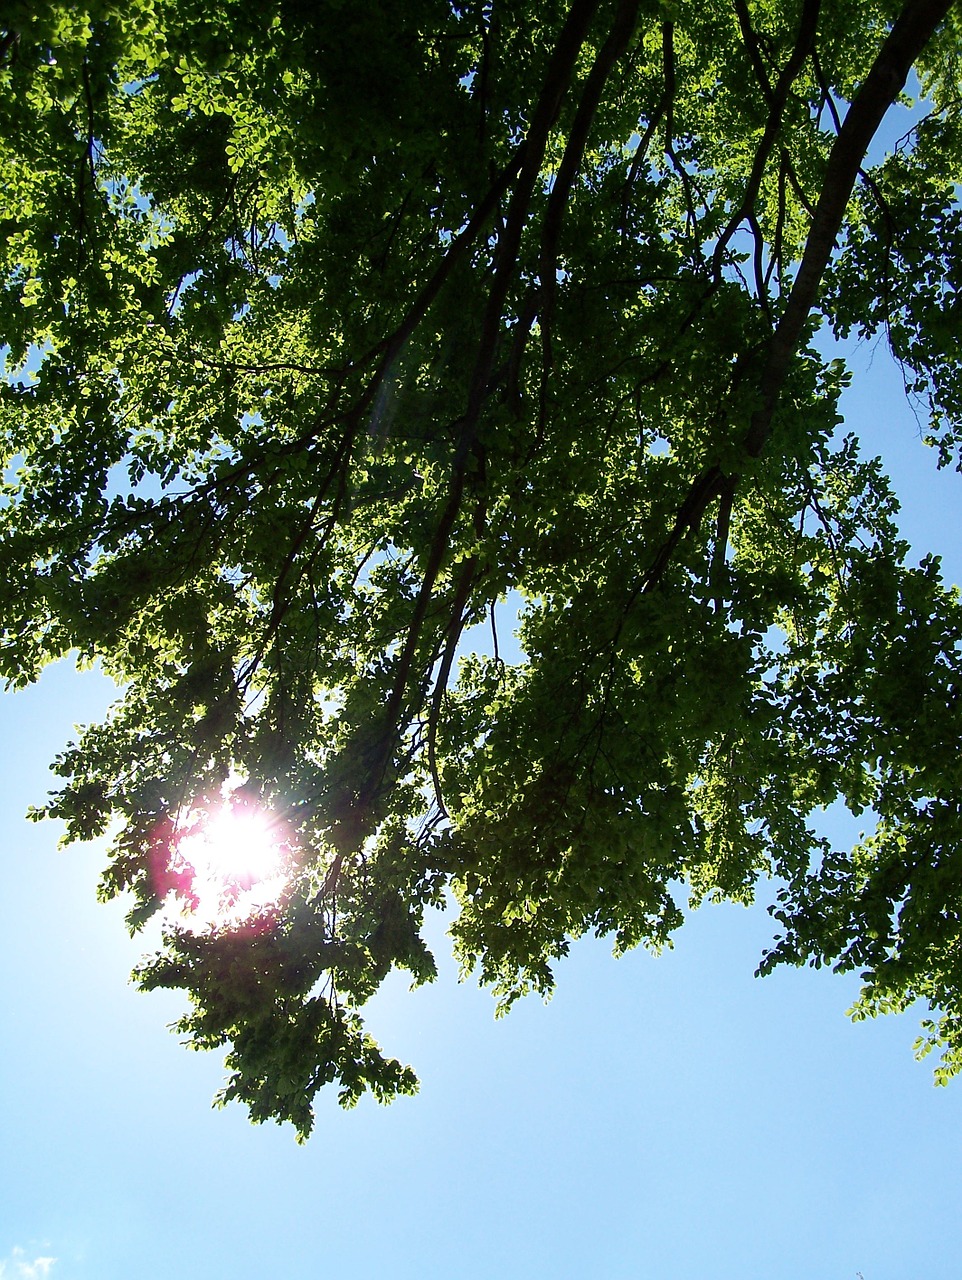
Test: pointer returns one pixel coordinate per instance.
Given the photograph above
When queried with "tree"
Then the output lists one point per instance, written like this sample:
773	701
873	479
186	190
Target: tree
333	330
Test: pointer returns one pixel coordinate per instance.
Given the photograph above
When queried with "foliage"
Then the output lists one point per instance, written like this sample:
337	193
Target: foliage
335	330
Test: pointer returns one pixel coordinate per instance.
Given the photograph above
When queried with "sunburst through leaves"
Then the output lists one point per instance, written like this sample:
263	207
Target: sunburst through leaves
235	861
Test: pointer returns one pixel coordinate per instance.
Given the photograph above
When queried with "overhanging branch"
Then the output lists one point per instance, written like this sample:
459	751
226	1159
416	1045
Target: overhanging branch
886	78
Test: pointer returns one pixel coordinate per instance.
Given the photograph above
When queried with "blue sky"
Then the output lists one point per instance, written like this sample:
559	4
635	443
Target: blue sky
667	1117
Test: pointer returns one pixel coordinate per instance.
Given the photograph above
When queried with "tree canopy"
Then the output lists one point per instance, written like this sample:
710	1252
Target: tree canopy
333	330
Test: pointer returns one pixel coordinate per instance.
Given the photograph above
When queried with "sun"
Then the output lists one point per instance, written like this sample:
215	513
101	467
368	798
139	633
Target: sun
237	860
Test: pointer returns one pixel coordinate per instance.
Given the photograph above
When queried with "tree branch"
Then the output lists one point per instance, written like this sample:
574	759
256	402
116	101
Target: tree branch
913	29
609	54
777	97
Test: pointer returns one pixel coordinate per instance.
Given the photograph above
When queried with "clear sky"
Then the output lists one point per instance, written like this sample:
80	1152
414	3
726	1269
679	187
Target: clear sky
669	1117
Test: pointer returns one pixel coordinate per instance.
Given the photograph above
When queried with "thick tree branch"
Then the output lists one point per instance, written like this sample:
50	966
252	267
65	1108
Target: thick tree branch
912	31
561	70
914	28
611	51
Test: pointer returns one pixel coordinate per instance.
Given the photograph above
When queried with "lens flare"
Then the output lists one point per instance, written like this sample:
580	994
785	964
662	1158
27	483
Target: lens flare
237	863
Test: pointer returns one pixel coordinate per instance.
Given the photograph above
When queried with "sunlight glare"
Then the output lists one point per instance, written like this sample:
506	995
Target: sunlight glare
238	860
